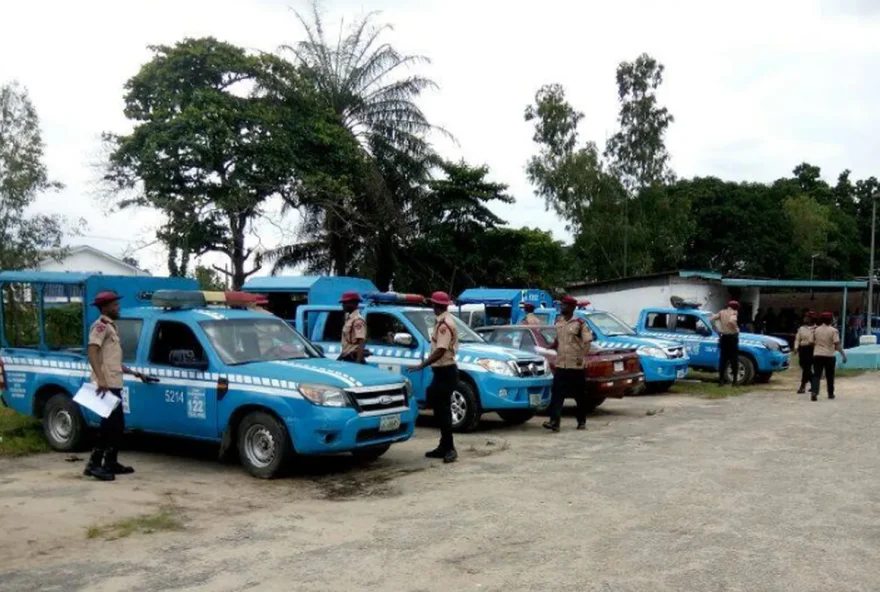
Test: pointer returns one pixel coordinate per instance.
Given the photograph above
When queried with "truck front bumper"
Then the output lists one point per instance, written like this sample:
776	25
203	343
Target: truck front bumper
663	370
775	362
333	430
507	392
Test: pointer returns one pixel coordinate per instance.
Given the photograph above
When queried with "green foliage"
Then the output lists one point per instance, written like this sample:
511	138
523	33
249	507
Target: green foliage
23	177
20	434
64	325
209	279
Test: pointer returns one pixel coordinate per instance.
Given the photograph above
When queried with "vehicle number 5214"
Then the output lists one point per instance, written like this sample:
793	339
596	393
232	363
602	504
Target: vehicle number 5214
172	396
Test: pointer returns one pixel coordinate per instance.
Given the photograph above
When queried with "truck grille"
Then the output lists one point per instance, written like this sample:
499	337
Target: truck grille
369	400
675	352
529	368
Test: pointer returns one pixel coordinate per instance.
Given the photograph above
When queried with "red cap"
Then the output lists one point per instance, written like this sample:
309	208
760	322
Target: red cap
106	298
440	299
733	304
826	315
569	300
811	314
529	306
350	297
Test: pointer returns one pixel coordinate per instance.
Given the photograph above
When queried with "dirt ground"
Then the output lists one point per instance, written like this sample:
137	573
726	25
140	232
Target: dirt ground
765	491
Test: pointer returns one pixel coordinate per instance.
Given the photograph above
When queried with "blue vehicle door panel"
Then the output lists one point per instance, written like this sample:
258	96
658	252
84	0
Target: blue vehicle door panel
702	349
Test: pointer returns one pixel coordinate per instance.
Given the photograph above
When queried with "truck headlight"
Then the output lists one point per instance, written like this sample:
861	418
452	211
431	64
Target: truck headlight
652	352
407	385
497	367
323	395
772	345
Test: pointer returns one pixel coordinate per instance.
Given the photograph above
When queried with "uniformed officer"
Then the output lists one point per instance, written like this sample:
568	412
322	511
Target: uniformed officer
827	341
105	358
531	317
444	344
803	345
728	345
572	343
354	331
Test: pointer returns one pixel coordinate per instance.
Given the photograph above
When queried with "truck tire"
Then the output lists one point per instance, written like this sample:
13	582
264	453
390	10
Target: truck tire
370	453
63	424
516	416
763	377
263	445
465	408
746	371
656	388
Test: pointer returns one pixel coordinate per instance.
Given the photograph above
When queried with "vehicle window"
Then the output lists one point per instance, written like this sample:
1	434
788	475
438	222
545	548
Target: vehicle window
528	341
333	325
544	317
610	325
512	338
685	323
478	318
381	328
657	321
489	335
549	335
20	316
246	340
129	336
424	321
175	344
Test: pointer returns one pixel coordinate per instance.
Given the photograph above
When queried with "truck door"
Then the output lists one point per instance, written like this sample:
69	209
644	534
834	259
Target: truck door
135	406
382	329
698	338
184	402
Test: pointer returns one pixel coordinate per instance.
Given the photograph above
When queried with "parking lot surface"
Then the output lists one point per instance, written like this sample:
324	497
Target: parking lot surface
764	491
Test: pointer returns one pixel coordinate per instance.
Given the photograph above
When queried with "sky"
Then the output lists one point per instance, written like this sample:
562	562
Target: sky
756	87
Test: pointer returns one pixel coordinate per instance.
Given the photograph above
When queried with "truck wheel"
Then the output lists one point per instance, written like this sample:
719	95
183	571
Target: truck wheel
63	424
263	445
465	408
656	388
516	416
763	377
370	453
746	371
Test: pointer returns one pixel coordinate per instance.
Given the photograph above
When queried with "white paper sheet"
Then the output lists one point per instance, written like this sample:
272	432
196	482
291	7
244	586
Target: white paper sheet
87	396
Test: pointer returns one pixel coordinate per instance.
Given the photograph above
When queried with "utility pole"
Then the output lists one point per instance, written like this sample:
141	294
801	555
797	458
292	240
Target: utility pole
871	268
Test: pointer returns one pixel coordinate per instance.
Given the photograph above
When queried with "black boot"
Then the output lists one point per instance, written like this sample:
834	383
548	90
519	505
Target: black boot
111	464
802	390
436	453
551	425
94	468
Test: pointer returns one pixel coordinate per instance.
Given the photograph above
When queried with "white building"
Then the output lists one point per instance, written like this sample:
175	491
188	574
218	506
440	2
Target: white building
86	259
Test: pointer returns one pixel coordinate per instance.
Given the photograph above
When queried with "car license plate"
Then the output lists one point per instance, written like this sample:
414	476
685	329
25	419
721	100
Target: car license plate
389	423
534	400
681	374
618	366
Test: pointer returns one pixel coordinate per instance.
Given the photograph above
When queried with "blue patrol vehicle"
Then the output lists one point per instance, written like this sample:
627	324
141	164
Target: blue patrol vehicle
512	383
663	361
241	378
759	355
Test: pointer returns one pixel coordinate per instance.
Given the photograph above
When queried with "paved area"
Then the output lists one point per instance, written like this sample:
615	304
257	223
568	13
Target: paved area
766	491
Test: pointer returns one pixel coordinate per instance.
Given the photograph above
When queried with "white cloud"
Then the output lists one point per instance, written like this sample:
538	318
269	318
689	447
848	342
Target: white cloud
755	87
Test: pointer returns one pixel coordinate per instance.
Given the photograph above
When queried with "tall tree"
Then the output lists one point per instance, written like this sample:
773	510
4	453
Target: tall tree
23	177
637	151
217	132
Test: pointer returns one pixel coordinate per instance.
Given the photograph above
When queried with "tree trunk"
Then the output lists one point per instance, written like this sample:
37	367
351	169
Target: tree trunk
237	256
384	263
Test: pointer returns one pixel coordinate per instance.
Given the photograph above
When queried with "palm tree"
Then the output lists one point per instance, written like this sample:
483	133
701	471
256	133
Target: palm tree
357	79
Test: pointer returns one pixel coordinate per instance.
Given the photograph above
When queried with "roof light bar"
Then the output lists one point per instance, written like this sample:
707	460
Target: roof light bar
395	298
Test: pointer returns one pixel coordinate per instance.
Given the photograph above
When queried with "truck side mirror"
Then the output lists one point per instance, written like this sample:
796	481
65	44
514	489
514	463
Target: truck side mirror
319	348
404	340
704	330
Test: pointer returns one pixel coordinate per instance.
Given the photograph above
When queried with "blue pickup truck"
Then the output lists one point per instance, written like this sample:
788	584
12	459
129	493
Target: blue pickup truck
244	379
663	361
759	355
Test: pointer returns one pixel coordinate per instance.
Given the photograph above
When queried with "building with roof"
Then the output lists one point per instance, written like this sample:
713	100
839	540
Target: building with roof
86	259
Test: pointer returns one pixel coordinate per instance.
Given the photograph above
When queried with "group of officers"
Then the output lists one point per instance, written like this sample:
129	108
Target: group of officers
816	345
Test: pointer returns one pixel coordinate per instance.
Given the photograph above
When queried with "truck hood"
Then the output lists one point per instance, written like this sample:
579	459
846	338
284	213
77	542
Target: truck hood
763	340
493	352
319	371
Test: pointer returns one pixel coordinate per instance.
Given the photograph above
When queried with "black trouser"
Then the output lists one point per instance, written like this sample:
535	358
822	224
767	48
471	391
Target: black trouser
569	383
824	364
440	394
728	350
805	359
112	427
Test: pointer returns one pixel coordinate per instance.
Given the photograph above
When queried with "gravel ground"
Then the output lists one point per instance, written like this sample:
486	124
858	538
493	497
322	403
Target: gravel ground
766	491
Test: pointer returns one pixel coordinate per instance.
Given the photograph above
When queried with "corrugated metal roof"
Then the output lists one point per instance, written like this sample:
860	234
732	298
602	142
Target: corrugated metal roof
815	284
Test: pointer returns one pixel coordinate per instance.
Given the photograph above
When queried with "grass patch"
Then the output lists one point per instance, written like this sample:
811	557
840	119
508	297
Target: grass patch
705	385
849	372
20	434
146	524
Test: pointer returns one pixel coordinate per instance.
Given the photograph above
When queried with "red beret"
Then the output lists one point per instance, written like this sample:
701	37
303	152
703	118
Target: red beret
827	315
733	304
350	297
569	300
812	314
440	299
106	298
529	306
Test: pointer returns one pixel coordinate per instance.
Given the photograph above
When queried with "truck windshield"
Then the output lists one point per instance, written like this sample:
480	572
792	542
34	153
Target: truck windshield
610	325
424	321
242	341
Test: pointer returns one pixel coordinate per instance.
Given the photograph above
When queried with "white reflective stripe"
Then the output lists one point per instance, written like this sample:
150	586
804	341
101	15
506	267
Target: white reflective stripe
52	371
384	411
378	400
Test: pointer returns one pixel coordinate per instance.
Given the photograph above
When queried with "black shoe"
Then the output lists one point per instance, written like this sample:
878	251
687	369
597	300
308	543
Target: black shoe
831	396
801	391
111	465
94	468
436	453
582	425
551	425
450	456
814	397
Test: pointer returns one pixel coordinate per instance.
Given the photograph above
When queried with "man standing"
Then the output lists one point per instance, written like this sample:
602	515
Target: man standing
572	343
531	317
728	345
444	344
354	331
105	358
803	345
827	341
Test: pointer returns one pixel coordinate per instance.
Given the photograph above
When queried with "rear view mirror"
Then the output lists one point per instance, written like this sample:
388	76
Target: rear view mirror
404	340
